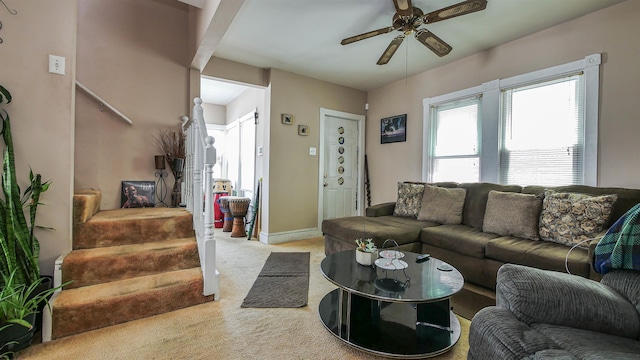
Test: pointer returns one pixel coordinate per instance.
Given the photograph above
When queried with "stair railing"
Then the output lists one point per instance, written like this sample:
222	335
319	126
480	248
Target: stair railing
198	194
103	103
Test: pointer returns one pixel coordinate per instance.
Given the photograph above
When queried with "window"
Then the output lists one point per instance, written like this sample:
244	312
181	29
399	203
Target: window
455	152
218	133
542	133
536	128
236	154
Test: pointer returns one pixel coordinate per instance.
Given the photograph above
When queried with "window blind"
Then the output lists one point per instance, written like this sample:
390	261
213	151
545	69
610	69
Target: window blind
543	133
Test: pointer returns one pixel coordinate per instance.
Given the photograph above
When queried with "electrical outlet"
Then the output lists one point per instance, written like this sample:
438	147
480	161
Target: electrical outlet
56	64
312	151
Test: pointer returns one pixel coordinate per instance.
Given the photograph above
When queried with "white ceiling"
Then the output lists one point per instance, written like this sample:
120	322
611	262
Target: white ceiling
219	92
303	36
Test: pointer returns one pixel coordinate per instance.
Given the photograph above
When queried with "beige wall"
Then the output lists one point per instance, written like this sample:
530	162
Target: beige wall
214	114
231	70
42	111
292	172
134	55
609	31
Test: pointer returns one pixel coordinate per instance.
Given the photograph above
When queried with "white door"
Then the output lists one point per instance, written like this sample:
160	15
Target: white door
341	161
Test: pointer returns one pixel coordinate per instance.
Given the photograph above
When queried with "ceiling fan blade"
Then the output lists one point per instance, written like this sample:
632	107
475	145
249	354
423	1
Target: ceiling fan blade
463	8
434	43
403	7
367	35
391	49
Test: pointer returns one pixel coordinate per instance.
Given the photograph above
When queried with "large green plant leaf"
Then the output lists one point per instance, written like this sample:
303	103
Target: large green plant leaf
20	248
5	95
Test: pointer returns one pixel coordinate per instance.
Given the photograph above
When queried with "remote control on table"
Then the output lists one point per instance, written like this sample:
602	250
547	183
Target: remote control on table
422	258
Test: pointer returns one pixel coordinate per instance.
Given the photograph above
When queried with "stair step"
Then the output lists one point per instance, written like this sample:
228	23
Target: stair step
86	203
97	306
132	226
100	265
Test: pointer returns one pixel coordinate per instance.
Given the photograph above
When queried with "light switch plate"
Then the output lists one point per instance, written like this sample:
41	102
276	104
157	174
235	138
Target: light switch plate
56	64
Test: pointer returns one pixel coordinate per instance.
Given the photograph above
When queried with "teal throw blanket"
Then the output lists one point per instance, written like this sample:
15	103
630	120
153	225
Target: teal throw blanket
619	248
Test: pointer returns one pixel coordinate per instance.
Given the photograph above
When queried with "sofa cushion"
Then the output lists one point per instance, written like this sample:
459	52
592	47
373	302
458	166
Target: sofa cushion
625	282
462	239
476	201
409	199
442	205
495	333
627	198
538	254
585	344
403	230
571	218
512	214
537	296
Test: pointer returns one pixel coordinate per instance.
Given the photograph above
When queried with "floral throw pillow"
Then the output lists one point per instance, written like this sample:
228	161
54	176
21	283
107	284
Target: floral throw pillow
409	199
570	218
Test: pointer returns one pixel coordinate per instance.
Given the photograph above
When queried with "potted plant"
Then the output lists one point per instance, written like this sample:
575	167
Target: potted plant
366	252
19	247
19	304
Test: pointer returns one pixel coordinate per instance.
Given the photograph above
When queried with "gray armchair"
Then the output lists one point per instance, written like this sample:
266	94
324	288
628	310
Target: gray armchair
542	314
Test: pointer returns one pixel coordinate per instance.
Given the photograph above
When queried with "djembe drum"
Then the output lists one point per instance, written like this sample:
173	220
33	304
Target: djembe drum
238	207
223	202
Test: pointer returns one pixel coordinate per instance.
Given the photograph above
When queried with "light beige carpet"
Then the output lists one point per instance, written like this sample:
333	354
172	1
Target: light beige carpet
222	329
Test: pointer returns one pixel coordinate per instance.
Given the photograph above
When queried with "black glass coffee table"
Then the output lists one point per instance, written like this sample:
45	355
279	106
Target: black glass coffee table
392	310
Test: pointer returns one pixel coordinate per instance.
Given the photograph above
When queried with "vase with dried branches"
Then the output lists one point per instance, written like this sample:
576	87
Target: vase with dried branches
172	143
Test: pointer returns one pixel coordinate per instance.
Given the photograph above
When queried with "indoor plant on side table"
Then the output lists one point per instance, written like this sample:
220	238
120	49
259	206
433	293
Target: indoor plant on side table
21	284
366	252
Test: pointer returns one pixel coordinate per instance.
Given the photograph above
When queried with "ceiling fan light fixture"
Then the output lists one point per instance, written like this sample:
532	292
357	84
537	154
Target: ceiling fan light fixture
408	19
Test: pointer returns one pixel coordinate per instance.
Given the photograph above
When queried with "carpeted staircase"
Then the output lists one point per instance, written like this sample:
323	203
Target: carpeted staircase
126	264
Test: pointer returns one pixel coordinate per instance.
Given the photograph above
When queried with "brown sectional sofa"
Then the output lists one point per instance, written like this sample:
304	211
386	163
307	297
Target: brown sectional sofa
477	254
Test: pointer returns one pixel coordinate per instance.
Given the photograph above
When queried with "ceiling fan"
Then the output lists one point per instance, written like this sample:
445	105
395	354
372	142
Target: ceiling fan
408	19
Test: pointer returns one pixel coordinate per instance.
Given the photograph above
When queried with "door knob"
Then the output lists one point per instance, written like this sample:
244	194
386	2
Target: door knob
325	184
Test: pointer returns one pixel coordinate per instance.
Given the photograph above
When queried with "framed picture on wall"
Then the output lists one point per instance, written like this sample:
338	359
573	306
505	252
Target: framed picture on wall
137	194
393	129
287	119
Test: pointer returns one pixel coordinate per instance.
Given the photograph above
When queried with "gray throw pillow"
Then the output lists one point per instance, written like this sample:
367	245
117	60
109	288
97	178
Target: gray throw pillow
409	198
442	205
572	218
512	214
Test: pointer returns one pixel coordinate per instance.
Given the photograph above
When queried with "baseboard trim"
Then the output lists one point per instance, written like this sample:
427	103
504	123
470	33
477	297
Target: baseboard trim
288	236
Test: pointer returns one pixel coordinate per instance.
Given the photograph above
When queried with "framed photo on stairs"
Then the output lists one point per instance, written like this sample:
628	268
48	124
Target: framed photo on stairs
137	194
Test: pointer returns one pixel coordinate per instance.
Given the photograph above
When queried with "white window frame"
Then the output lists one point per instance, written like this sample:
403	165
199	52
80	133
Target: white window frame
221	164
490	116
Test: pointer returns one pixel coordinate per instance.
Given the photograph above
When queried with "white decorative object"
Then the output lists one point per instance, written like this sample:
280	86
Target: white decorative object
366	258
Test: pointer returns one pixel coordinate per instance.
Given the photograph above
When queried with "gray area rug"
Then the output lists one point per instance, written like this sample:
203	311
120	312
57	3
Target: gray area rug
283	282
